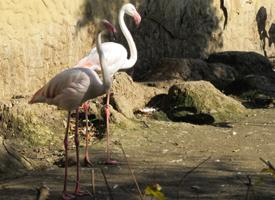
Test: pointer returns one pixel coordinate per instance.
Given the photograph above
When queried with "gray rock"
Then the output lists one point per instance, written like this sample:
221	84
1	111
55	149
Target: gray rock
200	102
188	69
244	63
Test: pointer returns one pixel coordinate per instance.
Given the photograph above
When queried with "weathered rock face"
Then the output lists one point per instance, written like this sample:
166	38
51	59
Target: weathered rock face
197	28
200	102
188	69
11	163
38	124
244	63
232	72
129	96
26	131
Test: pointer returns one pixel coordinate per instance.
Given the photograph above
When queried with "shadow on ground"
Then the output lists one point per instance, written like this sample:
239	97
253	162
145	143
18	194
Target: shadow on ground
214	179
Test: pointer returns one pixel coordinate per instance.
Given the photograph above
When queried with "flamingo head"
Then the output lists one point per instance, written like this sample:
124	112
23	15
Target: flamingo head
131	11
108	26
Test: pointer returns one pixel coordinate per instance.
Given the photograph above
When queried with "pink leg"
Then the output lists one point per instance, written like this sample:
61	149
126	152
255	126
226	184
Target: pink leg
109	161
86	154
78	192
77	186
65	194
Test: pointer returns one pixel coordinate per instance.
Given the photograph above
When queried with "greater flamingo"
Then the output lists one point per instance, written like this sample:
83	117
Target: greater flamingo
116	58
68	90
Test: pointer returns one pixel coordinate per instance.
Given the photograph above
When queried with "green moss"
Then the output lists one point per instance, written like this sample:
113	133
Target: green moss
201	97
160	115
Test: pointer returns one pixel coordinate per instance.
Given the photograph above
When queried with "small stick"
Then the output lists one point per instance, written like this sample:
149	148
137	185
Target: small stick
107	185
93	181
132	173
268	164
249	186
189	172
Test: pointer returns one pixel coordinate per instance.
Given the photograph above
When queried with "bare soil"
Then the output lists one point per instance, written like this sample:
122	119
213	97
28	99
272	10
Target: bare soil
168	153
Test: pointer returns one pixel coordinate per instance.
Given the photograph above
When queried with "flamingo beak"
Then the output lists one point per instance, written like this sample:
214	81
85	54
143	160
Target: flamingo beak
137	18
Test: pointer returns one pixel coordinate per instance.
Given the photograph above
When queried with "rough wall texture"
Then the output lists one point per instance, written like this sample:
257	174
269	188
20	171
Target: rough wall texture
195	28
37	40
41	37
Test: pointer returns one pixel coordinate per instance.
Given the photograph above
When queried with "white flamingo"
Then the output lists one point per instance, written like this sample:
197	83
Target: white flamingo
116	58
68	90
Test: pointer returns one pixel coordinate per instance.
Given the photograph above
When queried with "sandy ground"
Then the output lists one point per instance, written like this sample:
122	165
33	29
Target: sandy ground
164	153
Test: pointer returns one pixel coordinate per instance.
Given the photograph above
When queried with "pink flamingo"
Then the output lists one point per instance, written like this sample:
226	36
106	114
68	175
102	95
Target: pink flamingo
68	90
116	59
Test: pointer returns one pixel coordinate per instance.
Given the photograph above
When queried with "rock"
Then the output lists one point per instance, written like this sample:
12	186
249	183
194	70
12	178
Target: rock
195	29
200	102
37	124
251	83
244	63
12	163
42	192
183	69
193	69
129	96
255	90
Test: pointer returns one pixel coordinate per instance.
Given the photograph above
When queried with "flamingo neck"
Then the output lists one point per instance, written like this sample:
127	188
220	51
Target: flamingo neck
107	79
132	46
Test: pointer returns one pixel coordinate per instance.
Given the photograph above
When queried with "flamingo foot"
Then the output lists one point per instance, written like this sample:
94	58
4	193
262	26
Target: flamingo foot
111	162
67	196
80	193
87	162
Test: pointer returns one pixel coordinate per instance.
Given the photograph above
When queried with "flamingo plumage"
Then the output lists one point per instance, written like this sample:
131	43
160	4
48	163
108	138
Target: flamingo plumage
116	58
71	88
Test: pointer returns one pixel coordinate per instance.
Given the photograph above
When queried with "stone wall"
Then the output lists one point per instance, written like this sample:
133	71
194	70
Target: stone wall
38	39
196	28
41	37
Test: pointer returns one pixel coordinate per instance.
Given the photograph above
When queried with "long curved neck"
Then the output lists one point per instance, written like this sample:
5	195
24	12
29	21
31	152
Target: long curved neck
107	80
133	50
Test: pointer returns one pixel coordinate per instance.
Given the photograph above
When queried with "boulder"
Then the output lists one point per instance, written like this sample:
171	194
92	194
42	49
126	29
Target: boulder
37	124
129	96
12	163
200	102
255	90
244	63
188	69
251	83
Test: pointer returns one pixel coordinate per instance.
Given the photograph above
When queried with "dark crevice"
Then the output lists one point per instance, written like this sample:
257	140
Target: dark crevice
261	18
271	33
170	33
225	13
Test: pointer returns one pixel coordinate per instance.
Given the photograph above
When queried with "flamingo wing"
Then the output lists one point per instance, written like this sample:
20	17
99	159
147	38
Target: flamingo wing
66	90
115	54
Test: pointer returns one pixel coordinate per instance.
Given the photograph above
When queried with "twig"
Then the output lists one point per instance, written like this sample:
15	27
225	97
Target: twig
132	173
249	186
107	185
268	164
93	182
189	172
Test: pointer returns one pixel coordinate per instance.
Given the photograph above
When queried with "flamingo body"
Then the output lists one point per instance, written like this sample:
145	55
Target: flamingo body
70	88
116	56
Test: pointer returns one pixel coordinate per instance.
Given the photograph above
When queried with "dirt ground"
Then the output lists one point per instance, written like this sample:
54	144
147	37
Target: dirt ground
166	153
